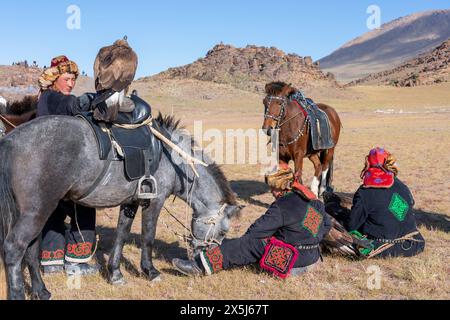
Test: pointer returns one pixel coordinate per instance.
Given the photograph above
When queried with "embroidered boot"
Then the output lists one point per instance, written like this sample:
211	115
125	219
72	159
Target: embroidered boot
188	267
81	269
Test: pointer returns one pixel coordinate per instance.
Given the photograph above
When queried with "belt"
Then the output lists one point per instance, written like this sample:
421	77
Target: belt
311	247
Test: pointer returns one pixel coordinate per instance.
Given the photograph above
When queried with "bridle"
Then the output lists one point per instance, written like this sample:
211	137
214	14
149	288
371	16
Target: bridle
213	222
278	119
282	113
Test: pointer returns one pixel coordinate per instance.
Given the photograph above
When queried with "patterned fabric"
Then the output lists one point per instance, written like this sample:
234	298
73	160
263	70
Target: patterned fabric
79	252
49	258
312	221
380	169
399	207
59	66
212	260
279	258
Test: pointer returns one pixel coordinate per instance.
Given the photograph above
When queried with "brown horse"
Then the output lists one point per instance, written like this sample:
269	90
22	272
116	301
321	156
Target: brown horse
18	112
283	114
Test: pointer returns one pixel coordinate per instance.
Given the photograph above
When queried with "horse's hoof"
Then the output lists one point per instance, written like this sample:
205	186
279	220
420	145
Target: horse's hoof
153	275
157	279
117	279
118	282
42	295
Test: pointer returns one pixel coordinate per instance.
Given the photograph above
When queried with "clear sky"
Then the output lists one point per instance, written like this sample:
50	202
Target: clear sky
176	32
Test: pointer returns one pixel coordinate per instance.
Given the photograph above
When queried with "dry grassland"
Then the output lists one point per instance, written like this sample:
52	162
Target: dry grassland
417	131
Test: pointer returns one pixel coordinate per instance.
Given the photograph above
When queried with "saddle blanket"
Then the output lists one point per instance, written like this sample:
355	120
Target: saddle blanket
319	123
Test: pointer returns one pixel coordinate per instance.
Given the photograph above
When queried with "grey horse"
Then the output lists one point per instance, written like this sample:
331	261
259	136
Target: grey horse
56	158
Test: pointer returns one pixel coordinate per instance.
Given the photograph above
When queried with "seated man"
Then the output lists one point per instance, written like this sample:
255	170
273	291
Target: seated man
382	210
287	236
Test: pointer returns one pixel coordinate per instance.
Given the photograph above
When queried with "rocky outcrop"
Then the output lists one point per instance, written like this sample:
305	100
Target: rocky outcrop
428	68
250	68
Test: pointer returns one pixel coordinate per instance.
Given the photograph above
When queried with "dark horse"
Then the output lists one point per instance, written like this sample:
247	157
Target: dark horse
294	136
17	113
56	157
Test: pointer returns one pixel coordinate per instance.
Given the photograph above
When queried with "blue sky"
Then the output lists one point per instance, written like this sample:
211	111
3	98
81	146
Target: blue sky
174	32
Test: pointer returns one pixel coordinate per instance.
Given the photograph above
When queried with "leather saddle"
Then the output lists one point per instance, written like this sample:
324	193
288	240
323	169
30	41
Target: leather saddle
319	123
138	148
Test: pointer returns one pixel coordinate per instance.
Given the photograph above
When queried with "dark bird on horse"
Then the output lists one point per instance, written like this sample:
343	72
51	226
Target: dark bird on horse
114	70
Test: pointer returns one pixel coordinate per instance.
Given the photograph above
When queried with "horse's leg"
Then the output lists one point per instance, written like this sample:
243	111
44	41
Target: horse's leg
39	291
150	215
326	170
315	159
126	218
25	230
298	160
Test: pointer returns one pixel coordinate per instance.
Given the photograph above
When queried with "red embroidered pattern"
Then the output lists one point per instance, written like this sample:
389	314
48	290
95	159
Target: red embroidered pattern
79	250
52	255
313	220
215	259
279	258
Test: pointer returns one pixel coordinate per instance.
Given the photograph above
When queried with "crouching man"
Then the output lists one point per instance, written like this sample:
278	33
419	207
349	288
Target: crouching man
382	210
285	240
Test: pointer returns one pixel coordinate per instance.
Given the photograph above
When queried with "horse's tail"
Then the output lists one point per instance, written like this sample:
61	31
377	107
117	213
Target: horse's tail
8	207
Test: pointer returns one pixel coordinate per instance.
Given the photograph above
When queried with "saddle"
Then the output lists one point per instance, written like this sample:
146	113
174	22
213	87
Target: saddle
138	148
320	129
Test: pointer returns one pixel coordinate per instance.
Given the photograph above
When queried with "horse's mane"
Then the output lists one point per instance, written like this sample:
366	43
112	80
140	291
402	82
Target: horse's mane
229	197
275	88
27	104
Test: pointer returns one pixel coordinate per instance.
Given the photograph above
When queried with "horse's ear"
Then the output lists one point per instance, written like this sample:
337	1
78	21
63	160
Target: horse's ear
233	211
288	90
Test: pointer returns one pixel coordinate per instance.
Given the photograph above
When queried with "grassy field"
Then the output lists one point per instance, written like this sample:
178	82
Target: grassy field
412	123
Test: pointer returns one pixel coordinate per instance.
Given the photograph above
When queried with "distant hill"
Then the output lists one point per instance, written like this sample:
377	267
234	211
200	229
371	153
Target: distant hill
250	68
428	68
391	45
19	81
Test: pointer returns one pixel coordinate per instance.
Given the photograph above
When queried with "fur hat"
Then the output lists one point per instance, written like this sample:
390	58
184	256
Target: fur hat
59	66
281	179
284	179
380	169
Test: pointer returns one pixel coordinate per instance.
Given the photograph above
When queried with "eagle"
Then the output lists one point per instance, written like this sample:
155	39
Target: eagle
114	70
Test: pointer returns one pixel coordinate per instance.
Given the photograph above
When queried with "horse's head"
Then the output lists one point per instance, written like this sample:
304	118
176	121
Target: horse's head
210	227
210	195
275	104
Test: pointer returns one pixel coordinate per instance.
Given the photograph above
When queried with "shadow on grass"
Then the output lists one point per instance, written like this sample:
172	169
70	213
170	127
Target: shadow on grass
161	250
432	220
246	189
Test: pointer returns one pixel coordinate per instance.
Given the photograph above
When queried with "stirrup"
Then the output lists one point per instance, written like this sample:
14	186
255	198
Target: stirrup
147	181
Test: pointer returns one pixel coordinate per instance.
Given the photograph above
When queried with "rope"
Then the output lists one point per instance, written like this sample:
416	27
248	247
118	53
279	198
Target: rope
97	237
7	122
386	246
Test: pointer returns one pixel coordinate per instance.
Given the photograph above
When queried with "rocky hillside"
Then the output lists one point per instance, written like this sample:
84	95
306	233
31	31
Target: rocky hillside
250	68
393	44
428	68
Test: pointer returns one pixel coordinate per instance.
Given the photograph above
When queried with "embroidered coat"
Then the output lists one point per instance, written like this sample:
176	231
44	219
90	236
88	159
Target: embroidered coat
290	219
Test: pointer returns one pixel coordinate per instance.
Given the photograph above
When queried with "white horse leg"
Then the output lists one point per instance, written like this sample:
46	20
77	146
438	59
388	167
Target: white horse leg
323	184
315	186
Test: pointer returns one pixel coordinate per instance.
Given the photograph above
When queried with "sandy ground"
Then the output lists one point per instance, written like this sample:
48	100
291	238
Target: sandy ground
412	123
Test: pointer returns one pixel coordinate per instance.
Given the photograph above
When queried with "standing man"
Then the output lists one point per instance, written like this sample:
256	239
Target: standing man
59	251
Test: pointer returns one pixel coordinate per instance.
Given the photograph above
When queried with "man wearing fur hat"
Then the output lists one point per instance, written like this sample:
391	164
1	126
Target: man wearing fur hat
285	240
58	252
382	210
